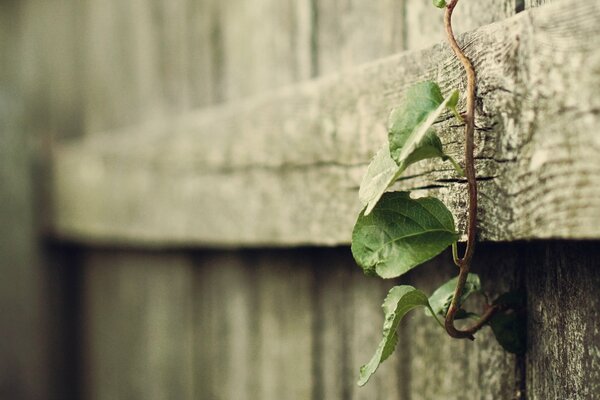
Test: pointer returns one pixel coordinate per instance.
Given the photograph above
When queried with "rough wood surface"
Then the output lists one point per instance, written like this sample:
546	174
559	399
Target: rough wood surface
563	359
23	373
425	27
138	326
461	369
536	3
284	168
254	326
348	33
327	322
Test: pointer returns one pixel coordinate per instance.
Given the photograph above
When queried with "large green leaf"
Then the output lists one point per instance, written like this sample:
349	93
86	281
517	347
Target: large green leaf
410	136
399	301
401	233
382	172
412	139
442	297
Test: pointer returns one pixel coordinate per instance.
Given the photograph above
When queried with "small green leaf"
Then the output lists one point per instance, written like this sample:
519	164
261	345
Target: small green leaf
439	3
514	299
442	297
401	233
509	325
399	301
410	134
382	172
509	329
453	103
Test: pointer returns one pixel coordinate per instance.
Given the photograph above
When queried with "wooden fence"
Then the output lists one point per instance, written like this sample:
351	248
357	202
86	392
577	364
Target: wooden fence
192	169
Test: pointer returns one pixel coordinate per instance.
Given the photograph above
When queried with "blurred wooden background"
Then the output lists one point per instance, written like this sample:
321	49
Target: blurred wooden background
109	321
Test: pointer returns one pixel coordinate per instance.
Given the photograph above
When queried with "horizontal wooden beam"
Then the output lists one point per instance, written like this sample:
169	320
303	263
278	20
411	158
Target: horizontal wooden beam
284	168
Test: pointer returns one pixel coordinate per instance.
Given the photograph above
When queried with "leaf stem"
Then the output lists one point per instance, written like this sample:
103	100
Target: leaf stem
469	117
455	254
456	165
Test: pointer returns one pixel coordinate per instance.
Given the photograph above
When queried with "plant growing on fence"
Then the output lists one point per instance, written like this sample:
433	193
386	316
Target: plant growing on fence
396	233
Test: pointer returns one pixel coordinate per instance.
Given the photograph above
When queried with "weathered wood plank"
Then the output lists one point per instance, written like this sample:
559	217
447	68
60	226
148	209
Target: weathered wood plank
266	44
284	168
138	326
284	336
23	363
424	22
563	359
444	368
225	326
352	32
536	3
254	325
349	319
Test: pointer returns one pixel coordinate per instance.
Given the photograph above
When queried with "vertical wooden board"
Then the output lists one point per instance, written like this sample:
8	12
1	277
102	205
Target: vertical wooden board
254	325
333	374
351	32
121	72
225	326
563	359
204	53
137	326
367	295
349	324
47	69
266	44
170	23
284	337
425	26
22	307
446	368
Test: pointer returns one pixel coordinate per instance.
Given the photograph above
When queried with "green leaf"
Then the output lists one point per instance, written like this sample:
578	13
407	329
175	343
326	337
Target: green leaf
401	233
399	301
410	134
510	325
453	103
382	172
439	3
442	297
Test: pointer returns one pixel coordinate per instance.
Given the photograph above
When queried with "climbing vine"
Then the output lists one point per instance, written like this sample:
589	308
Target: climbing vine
396	233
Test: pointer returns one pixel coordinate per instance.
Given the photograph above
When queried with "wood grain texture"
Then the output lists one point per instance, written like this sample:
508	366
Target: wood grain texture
459	369
254	325
536	3
138	326
350	318
425	23
225	326
348	33
284	168
266	44
23	363
274	324
563	359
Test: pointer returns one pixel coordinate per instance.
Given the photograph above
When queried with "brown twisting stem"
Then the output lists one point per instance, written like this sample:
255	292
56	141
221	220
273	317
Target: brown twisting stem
464	263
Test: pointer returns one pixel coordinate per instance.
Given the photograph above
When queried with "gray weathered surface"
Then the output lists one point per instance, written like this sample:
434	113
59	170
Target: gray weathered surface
563	361
138	331
425	26
327	322
262	324
354	32
22	322
536	3
284	168
459	369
